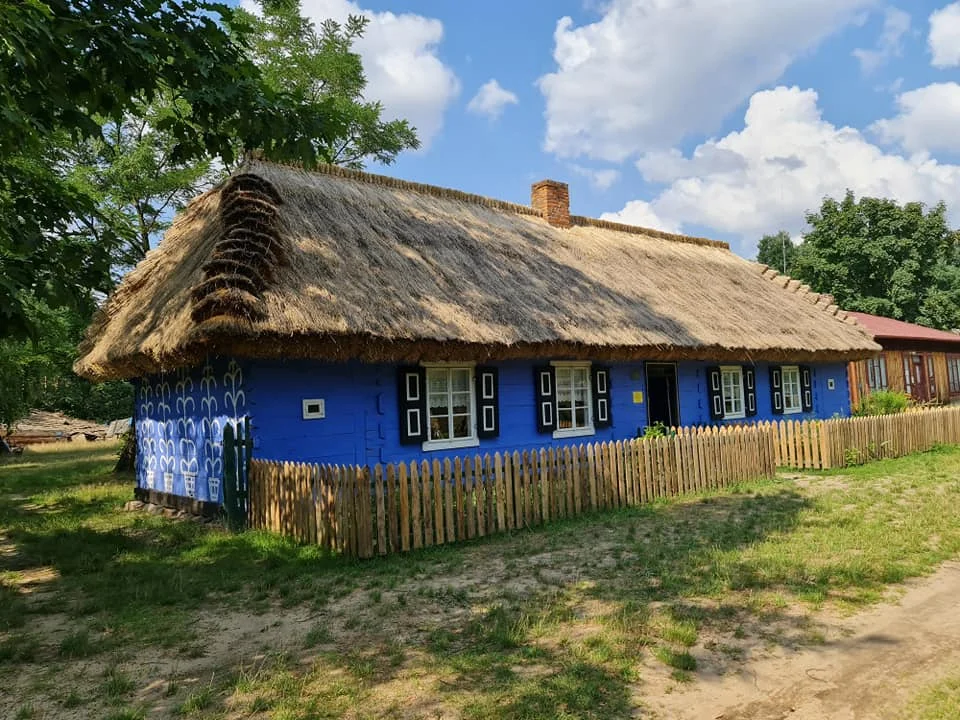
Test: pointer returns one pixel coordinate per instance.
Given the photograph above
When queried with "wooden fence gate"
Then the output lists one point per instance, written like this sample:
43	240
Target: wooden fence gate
237	452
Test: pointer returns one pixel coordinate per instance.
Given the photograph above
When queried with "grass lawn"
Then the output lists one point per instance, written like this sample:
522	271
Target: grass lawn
940	701
105	613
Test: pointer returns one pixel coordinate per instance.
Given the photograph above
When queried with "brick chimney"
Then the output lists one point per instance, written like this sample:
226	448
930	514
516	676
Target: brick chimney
552	199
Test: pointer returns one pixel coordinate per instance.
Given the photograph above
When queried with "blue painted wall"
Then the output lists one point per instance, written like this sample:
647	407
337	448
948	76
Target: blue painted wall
694	409
180	416
362	419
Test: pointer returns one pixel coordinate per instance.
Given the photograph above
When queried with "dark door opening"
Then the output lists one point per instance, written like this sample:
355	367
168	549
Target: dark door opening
662	394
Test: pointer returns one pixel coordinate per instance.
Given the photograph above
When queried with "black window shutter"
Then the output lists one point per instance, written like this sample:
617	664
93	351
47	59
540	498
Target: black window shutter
545	394
602	407
412	402
776	390
749	391
806	387
715	393
488	402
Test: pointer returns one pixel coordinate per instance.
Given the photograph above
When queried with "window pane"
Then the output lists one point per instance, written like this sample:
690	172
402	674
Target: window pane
461	426
732	383
460	380
438	405
439	428
564	418
580	417
461	402
563	377
581	378
437	381
791	390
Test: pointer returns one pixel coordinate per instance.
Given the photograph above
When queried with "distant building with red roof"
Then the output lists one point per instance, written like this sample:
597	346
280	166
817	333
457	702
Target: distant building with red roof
920	361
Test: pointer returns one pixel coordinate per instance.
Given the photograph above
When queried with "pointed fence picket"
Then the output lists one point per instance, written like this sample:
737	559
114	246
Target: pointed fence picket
362	512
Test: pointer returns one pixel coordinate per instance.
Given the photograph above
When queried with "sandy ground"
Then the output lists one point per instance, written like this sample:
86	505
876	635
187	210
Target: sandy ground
880	659
868	665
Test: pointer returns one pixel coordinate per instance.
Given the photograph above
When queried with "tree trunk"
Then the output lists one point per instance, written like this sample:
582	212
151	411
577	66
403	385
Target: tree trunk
127	457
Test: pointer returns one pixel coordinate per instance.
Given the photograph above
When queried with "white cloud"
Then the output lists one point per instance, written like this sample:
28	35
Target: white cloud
600	179
491	100
651	72
783	162
400	59
927	121
896	23
642	214
944	37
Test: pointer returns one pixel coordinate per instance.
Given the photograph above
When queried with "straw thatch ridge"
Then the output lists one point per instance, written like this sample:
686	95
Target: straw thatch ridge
824	301
357	266
649	232
422	188
244	261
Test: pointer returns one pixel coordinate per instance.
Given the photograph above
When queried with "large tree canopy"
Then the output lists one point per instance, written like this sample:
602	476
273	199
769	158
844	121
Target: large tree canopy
777	251
115	113
296	57
66	66
877	256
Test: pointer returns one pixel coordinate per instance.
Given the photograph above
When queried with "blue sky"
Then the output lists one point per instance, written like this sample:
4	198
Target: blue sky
721	118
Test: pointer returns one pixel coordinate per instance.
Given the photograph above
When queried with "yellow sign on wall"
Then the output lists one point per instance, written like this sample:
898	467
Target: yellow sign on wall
637	397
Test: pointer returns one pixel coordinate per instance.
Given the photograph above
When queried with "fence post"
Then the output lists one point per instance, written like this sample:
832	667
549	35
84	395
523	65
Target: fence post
237	447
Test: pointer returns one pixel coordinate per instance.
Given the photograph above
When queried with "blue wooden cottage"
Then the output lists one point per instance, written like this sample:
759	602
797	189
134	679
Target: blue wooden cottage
358	319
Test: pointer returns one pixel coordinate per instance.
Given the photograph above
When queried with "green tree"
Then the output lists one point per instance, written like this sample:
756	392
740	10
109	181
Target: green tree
132	172
777	251
877	256
150	102
295	57
36	372
65	65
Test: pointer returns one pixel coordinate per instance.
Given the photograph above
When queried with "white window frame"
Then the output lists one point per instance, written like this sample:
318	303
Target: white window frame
877	371
588	429
452	443
953	374
729	370
785	372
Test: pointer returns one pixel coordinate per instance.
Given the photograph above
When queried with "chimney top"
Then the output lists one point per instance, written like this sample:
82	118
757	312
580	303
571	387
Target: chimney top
552	200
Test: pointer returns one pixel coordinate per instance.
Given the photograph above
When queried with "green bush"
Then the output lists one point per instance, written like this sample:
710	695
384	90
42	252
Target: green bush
658	429
883	402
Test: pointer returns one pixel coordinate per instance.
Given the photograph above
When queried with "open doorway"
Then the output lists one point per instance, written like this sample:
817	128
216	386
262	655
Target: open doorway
662	394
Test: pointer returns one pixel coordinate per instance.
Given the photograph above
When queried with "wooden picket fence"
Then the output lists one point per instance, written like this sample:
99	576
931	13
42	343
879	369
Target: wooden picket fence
825	444
362	511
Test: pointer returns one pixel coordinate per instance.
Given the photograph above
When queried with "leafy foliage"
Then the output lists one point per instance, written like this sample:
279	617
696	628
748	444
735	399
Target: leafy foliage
109	56
36	373
149	102
320	65
131	172
777	251
883	402
876	256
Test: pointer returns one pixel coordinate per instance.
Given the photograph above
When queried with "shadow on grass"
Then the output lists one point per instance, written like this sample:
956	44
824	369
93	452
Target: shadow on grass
514	653
140	577
518	661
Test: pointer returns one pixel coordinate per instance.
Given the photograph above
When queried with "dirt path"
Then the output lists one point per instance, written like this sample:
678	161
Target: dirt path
885	655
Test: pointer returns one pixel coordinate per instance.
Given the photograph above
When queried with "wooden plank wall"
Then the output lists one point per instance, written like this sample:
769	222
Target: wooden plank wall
942	377
859	379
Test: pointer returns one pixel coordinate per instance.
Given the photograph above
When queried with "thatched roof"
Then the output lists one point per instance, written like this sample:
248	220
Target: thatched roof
336	264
